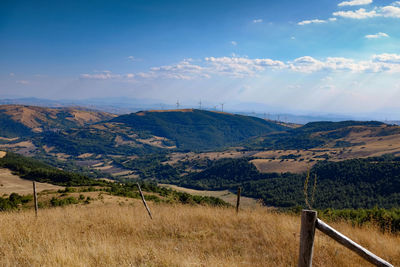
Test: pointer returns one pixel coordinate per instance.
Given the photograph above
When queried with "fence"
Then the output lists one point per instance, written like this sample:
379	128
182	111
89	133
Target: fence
310	222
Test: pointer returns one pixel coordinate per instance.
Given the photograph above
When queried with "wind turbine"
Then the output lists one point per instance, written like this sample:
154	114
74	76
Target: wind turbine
222	107
200	104
177	104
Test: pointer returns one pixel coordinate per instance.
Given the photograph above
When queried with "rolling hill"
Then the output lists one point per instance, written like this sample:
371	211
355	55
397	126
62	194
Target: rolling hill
21	121
193	129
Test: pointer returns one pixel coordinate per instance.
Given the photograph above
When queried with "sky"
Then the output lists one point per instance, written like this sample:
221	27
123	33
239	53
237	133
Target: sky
303	56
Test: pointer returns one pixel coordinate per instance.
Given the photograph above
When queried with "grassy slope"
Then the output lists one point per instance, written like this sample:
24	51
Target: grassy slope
111	234
225	195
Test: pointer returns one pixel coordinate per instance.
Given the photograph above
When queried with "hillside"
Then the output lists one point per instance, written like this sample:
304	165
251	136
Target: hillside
198	129
119	232
297	149
320	134
20	121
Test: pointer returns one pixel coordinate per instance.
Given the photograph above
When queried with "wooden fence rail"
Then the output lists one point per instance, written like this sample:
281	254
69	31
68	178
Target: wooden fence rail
310	222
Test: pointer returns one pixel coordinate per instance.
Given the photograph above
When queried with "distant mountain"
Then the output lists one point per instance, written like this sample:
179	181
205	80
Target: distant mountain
115	105
193	129
19	120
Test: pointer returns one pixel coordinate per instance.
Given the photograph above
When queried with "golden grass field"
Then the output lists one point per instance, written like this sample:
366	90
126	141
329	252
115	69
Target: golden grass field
111	234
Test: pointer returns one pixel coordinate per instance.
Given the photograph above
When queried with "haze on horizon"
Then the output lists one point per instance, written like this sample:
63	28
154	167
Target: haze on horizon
297	56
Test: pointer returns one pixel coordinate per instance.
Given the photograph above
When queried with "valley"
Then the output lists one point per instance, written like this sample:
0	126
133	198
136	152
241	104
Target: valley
184	147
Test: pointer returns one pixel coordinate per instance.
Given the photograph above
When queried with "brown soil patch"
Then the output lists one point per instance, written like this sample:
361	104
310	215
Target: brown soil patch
156	141
268	165
85	155
9	139
27	144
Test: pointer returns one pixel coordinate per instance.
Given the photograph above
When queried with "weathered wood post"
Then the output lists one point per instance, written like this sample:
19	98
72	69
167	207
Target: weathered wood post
35	198
238	199
144	201
307	232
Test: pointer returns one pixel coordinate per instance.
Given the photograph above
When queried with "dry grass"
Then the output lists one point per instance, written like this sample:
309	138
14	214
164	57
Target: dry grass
10	183
245	202
112	235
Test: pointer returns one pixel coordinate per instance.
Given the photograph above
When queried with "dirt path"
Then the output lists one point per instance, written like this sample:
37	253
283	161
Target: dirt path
2	154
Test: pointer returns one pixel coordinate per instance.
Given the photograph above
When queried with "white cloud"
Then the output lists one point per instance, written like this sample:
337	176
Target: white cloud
316	21
131	58
306	64
24	82
305	22
355	3
234	43
257	20
390	11
378	63
184	70
241	66
358	14
387	58
104	75
12	74
377	36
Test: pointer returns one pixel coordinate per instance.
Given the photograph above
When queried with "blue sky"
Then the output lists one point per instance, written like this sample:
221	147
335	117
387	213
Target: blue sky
294	56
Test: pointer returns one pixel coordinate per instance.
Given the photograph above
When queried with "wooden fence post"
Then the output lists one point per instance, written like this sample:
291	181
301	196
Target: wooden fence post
144	201
307	232
238	199
35	198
